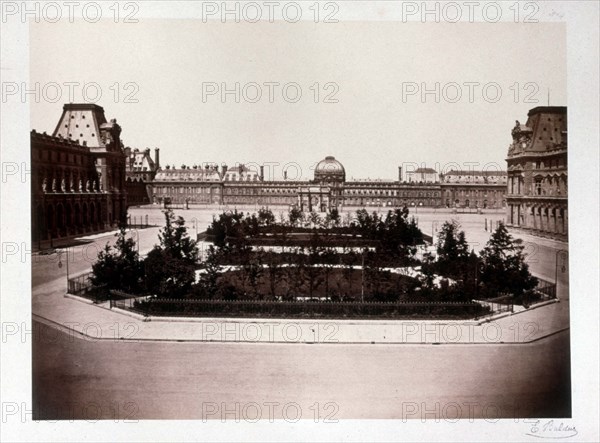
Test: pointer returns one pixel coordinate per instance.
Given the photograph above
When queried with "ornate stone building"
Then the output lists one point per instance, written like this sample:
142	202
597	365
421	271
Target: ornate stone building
537	173
329	189
140	172
78	176
422	175
474	189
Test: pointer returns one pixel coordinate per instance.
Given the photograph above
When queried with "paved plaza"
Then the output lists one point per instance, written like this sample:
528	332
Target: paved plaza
78	342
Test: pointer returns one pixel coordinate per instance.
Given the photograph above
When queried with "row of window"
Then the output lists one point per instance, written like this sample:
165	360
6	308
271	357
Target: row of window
188	190
235	177
59	157
369	192
475	179
473	192
550	163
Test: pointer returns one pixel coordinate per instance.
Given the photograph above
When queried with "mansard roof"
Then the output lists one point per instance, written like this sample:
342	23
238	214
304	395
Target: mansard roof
86	122
545	131
424	171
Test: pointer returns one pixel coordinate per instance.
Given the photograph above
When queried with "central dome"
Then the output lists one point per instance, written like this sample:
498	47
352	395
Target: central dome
330	170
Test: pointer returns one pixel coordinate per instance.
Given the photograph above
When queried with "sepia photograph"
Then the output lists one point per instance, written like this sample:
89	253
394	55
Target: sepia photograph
277	221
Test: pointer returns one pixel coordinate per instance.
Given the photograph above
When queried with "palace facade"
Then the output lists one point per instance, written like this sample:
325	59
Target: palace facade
83	180
537	173
474	189
140	169
77	176
240	186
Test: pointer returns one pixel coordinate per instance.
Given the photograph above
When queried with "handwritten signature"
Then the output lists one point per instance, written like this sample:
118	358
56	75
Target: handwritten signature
551	429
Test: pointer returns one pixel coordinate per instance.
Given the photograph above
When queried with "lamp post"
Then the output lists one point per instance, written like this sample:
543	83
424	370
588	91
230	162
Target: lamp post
60	264
476	273
558	252
362	279
434	227
67	251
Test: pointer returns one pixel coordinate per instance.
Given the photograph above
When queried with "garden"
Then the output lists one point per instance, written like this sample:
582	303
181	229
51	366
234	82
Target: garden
313	266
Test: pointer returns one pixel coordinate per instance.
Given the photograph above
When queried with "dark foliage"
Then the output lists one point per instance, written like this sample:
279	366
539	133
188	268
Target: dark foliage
119	267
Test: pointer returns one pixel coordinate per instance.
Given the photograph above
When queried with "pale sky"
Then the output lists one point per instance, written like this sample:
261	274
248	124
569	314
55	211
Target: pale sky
371	130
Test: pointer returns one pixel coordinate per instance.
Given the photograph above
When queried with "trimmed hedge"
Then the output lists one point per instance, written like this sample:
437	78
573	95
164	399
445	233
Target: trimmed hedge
309	309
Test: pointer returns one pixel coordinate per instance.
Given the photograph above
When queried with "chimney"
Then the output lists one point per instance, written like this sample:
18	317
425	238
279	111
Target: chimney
262	173
224	169
285	174
157	157
399	173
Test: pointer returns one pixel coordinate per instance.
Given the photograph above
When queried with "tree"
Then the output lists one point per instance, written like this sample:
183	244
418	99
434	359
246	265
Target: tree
295	216
209	279
452	243
428	271
252	271
330	258
397	234
349	259
119	267
170	266
452	251
231	227
366	223
375	275
275	272
334	218
295	273
265	217
314	219
175	240
503	265
313	270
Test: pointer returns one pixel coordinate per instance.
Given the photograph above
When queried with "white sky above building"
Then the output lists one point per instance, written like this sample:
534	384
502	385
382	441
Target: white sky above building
371	130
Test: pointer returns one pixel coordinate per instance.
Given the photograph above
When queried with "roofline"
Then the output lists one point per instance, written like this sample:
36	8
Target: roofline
547	110
471	172
82	107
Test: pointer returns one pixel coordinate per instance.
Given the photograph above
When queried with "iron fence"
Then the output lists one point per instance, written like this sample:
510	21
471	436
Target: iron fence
138	222
497	305
82	286
545	289
301	309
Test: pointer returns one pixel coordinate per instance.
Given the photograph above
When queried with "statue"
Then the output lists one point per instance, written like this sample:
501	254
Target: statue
62	185
80	185
53	185
44	184
87	186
